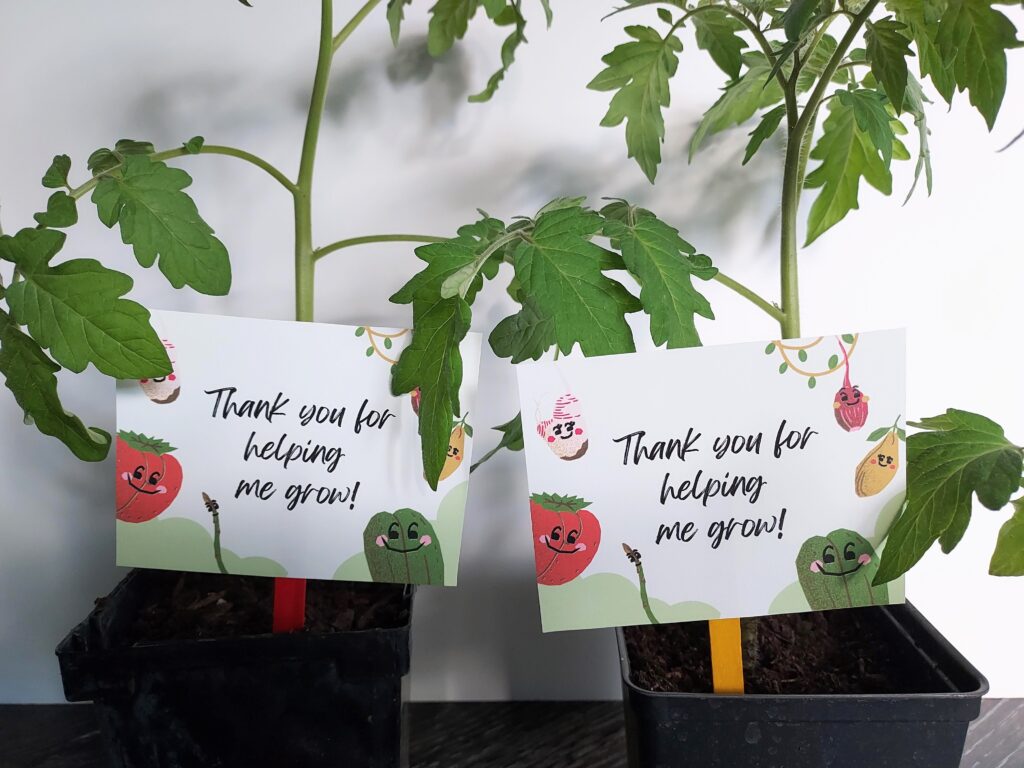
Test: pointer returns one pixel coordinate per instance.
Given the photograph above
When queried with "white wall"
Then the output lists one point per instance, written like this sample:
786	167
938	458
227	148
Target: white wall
413	157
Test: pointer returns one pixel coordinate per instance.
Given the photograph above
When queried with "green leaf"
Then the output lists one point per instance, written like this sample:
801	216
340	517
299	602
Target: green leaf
56	175
716	34
1008	558
764	130
548	16
833	361
449	20
511	439
657	257
963	455
802	355
158	219
508	50
567	299
639	72
61	211
846	154
878	434
664	14
873	118
104	159
922	20
387	342
849	338
76	311
396	15
360	330
740	100
369	351
973	37
797	17
783	367
812	382
915	101
816	62
770	349
194	145
887	50
30	375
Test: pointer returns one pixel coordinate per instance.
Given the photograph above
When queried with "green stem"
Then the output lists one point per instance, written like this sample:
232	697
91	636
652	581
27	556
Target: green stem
218	556
304	261
772	311
319	253
356	20
206	149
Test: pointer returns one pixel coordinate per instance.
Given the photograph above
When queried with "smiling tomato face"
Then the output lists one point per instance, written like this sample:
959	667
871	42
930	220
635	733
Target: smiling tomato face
148	477
565	537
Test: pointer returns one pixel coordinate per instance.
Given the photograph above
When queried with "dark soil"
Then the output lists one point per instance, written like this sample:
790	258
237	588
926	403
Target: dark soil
829	652
194	606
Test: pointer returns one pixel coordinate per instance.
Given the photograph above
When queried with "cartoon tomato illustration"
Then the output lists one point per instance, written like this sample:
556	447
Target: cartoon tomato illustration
565	537
850	404
565	432
163	389
148	477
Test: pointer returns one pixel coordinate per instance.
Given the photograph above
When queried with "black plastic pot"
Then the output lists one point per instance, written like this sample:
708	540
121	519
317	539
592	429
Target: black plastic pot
764	731
298	700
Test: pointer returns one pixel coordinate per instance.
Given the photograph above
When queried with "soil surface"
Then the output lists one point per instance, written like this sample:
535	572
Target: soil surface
193	606
828	652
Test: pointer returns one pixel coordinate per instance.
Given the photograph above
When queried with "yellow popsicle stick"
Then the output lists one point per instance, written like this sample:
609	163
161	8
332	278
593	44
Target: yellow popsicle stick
726	655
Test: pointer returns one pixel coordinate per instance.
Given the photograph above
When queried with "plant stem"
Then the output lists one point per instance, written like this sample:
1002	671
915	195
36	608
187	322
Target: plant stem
206	149
304	261
772	311
356	20
319	253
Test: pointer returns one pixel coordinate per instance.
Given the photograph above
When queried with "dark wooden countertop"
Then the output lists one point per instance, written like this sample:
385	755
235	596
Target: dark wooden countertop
467	735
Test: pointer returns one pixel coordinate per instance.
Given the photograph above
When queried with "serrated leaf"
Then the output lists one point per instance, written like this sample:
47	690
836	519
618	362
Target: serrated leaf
568	300
449	20
873	118
158	219
75	310
815	63
963	455
61	211
508	51
922	18
740	100
104	159
194	145
797	16
396	15
765	129
1008	557
716	34
665	15
56	175
847	155
887	51
972	37
511	439
30	376
657	257
639	72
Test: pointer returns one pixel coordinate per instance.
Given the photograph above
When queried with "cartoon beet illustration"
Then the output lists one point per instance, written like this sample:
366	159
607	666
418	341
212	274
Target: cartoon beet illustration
402	547
879	467
148	477
414	398
163	389
565	537
850	404
565	432
456	448
836	571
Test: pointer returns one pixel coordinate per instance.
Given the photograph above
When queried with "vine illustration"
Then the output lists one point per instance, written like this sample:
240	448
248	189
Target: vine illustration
634	558
386	342
835	362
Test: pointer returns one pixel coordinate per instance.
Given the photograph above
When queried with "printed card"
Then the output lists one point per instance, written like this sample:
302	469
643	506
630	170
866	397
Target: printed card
714	482
277	449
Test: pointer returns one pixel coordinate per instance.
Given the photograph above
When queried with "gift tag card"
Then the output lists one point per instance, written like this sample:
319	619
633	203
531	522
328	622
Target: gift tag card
277	449
714	482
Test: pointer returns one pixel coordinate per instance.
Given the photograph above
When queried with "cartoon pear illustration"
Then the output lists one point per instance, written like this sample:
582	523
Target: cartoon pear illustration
456	449
879	467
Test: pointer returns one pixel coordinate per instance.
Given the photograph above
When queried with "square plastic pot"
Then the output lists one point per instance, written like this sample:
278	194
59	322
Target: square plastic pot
910	730
300	699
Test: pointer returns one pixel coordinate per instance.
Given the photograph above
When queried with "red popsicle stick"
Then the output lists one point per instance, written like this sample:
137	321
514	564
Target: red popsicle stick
289	604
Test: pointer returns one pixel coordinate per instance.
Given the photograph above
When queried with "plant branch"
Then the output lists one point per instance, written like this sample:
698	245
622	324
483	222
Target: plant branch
304	262
354	22
206	149
770	309
319	253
